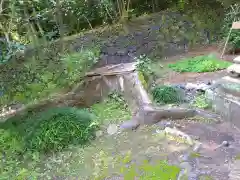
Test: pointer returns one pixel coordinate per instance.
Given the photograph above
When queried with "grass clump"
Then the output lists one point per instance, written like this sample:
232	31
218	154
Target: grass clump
166	94
55	129
199	64
201	102
113	109
59	127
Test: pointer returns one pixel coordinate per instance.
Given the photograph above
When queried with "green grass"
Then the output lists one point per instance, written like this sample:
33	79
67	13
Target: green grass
166	95
111	110
199	64
95	161
161	170
200	101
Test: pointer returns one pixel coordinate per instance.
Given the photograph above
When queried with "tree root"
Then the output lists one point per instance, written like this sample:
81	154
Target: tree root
153	115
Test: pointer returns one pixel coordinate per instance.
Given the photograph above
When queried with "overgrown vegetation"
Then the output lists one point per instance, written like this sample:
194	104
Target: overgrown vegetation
232	15
38	78
53	129
113	109
31	136
164	94
200	64
200	101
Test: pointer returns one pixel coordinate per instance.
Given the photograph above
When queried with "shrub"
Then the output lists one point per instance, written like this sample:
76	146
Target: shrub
199	64
47	74
56	128
201	102
11	143
232	14
166	94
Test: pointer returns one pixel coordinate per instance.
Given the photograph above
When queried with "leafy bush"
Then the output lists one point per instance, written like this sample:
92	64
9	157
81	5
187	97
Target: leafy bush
145	72
199	64
9	49
232	14
166	94
112	109
201	102
11	143
53	129
56	128
47	74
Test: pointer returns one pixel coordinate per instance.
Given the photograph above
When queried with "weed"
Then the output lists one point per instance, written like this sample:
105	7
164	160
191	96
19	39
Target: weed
54	129
112	109
199	64
166	94
144	170
145	71
201	102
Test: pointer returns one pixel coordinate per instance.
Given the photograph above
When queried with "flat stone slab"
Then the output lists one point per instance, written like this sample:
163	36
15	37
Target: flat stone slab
237	60
234	70
227	105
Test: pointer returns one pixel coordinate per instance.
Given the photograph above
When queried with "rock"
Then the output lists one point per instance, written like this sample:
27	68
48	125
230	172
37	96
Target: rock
197	147
121	52
191	86
187	166
129	125
234	70
237	60
184	157
99	133
203	87
164	124
225	143
112	129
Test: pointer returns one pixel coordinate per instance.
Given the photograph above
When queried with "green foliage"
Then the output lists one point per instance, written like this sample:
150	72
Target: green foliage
113	109
8	50
142	170
145	71
79	62
11	143
232	14
56	128
53	129
38	78
199	64
166	94
151	171
201	102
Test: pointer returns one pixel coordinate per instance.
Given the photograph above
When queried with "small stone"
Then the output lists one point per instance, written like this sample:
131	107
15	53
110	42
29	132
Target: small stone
203	87
237	60
234	70
184	157
197	147
191	86
187	166
121	52
99	133
112	129
129	125
225	143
